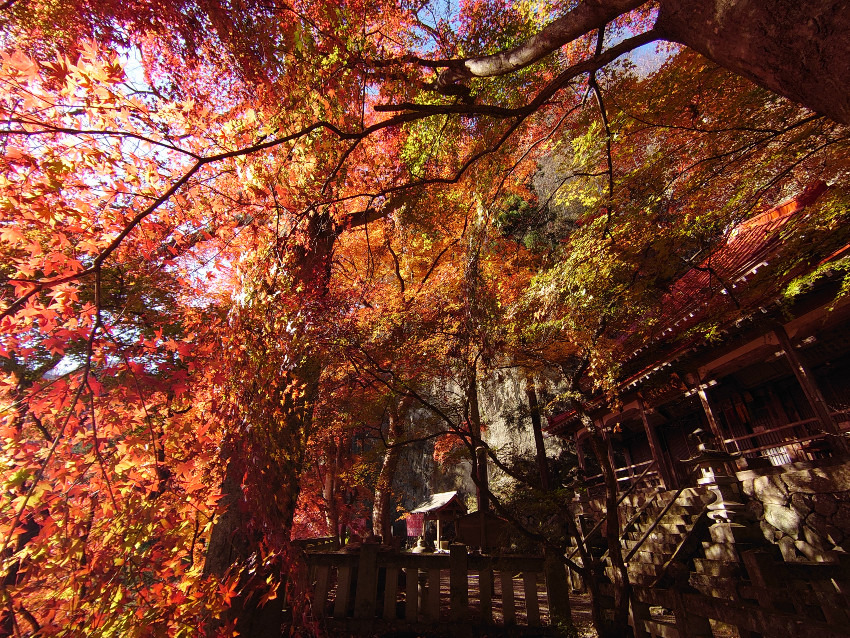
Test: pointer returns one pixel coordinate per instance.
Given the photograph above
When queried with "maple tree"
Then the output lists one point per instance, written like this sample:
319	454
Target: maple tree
203	204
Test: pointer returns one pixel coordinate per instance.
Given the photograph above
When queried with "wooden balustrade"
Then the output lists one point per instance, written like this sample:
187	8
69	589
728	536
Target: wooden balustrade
375	585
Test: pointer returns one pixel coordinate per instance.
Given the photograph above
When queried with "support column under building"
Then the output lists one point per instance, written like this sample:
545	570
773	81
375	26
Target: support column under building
655	448
606	434
709	415
812	392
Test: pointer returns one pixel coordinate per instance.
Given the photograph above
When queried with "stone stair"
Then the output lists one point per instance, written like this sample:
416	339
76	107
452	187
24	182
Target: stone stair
652	543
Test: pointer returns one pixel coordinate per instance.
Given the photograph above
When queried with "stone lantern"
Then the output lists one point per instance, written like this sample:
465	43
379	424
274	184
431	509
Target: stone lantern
732	522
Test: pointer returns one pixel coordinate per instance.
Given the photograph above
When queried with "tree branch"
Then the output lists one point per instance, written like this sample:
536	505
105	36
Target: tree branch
587	16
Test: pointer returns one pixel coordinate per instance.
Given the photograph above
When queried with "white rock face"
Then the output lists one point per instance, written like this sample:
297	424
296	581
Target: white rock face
505	416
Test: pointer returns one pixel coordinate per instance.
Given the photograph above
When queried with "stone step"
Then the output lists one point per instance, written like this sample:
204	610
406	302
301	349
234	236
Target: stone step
682	510
636	500
658	535
649	556
649	514
724	587
667	521
652	569
720	552
716	567
672	527
666	546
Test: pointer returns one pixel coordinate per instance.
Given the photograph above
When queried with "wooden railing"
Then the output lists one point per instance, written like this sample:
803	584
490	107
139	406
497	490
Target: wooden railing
359	591
598	526
804	439
627	474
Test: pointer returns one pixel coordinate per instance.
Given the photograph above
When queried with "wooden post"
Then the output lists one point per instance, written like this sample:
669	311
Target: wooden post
343	586
390	588
508	611
320	593
709	415
432	608
580	453
411	596
810	388
606	434
532	605
438	532
655	448
537	429
423	592
557	590
367	581
458	582
485	588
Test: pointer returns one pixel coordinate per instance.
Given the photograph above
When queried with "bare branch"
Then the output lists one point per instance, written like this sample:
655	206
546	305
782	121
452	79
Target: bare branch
587	16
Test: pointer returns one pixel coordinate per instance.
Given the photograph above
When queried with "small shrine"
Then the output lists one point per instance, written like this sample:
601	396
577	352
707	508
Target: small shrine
443	507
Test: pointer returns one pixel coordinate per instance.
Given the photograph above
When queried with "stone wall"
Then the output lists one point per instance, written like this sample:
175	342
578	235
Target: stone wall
803	508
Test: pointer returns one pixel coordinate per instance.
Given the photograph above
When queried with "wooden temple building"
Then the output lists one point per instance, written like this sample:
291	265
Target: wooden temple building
442	508
775	387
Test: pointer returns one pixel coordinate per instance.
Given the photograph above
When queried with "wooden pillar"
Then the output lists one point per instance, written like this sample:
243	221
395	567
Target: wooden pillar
709	415
606	434
438	532
367	582
458	583
485	586
557	590
483	478
508	611
655	448
811	390
411	597
390	593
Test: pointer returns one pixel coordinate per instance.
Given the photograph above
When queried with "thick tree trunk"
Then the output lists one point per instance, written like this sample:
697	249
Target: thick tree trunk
260	495
382	508
479	462
329	495
797	49
251	536
619	627
537	429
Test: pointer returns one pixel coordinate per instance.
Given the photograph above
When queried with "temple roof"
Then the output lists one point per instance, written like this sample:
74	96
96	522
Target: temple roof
749	247
437	502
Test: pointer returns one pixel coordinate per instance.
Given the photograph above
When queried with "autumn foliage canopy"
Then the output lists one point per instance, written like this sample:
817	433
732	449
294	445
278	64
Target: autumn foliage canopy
233	233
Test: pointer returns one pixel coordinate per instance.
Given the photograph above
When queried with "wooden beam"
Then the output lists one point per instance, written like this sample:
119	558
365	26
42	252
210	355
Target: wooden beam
709	415
655	448
606	434
810	388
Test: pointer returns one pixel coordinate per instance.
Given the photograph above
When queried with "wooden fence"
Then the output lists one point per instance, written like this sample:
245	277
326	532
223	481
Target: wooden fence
375	588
